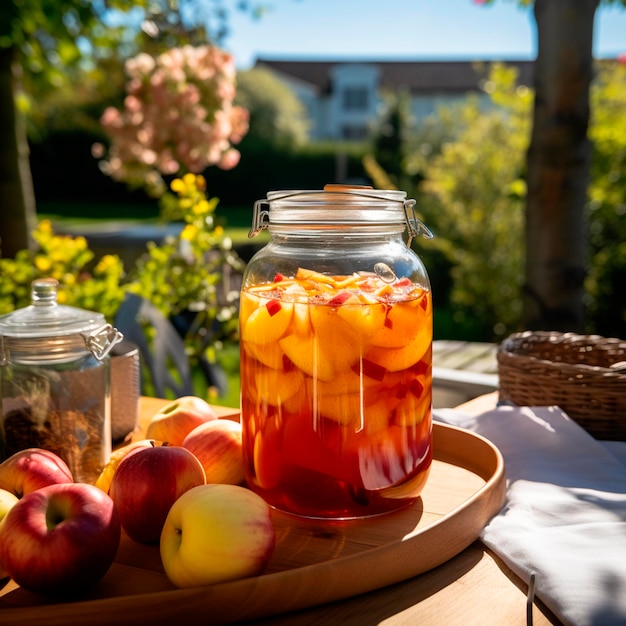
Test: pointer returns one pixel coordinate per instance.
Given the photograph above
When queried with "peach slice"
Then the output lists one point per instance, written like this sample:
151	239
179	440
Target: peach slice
403	321
396	359
247	305
304	353
345	409
346	382
365	320
276	386
268	322
358	411
268	354
301	320
267	457
412	410
337	340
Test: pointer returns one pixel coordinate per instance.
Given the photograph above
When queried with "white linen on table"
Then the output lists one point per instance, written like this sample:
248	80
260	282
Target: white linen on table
564	517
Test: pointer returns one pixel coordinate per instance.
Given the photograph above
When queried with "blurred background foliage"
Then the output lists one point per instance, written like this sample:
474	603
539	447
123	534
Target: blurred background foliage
465	167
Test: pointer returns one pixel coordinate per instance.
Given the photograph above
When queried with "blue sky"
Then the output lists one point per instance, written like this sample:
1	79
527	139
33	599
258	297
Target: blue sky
402	29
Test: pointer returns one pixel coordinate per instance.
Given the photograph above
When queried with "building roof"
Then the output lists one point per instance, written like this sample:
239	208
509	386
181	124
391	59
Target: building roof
416	76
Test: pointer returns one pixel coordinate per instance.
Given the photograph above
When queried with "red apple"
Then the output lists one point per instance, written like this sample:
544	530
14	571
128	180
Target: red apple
147	483
60	539
217	444
31	469
106	475
178	418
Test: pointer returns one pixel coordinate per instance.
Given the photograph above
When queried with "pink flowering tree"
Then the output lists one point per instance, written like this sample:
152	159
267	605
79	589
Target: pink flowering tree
178	116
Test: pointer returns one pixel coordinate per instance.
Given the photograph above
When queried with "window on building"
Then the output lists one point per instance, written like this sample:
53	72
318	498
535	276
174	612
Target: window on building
353	132
355	98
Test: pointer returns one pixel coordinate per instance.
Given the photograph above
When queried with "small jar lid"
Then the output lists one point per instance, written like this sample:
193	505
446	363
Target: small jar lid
46	318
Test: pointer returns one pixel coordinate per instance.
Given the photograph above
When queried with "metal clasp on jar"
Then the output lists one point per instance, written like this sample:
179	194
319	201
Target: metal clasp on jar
260	217
101	341
414	225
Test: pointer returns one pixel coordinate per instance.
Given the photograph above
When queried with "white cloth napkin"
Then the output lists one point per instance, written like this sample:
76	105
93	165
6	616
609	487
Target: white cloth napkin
564	518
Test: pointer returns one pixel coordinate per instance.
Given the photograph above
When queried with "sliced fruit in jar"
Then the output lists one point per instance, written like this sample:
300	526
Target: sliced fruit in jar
345	409
267	457
301	320
411	410
396	359
337	340
268	354
364	319
303	352
276	386
400	324
268	322
346	382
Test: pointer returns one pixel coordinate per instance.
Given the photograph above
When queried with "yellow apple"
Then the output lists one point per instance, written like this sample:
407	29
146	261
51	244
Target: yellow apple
7	500
178	418
216	533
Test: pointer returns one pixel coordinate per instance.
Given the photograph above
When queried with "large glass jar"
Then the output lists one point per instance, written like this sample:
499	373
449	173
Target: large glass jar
54	382
336	347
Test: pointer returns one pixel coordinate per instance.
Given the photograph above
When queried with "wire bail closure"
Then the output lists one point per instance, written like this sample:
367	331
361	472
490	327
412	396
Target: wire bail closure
260	218
261	214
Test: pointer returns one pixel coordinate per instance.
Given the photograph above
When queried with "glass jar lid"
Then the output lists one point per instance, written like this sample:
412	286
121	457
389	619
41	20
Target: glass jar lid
45	317
67	330
343	205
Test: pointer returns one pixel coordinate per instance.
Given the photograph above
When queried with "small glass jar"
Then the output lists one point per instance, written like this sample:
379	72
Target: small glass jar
336	354
55	382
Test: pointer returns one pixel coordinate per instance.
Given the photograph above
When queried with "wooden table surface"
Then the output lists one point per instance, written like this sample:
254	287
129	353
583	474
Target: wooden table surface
474	587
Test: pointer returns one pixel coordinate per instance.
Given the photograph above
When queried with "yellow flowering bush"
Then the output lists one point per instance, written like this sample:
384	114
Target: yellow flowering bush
186	274
82	282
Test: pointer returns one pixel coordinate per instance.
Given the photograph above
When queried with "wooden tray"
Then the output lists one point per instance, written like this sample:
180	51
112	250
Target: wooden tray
314	562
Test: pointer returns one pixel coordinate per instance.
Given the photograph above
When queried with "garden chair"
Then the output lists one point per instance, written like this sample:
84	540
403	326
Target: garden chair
161	347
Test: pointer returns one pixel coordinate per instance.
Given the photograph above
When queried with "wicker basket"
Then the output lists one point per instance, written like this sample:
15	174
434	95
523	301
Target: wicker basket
585	375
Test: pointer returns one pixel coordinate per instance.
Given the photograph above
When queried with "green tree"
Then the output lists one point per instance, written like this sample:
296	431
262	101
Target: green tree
50	44
474	194
606	209
391	140
557	164
277	116
473	197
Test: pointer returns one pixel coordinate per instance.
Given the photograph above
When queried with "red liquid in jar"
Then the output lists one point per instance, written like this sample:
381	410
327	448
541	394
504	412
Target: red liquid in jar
336	380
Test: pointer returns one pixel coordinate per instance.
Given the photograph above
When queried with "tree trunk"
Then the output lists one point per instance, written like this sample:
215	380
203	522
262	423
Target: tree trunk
558	167
18	215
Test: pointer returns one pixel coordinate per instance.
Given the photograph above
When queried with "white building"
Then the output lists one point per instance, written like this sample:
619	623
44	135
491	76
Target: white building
343	98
